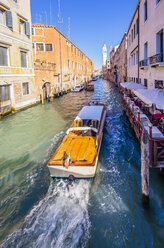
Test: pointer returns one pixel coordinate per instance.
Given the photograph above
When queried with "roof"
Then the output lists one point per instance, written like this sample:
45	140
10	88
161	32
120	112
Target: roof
91	113
132	86
154	96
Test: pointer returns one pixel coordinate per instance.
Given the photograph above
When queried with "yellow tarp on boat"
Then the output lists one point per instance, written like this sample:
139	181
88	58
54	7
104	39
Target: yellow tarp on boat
82	151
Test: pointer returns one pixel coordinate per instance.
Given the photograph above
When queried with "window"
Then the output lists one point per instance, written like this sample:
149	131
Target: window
24	26
1	16
23	59
25	87
145	82
137	58
132	34
33	31
3	56
145	54
157	1
4	93
76	66
49	47
21	26
68	63
72	65
39	47
134	29
158	84
134	59
137	27
159	46
145	11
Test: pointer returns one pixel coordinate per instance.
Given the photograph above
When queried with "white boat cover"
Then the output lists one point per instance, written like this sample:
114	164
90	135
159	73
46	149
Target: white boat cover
132	86
91	113
149	97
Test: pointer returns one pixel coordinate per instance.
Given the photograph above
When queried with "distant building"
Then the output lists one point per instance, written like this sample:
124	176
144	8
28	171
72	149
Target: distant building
108	64
104	51
51	62
17	85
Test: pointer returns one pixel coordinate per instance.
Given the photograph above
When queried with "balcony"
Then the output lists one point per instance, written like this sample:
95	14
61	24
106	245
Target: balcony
143	64
157	60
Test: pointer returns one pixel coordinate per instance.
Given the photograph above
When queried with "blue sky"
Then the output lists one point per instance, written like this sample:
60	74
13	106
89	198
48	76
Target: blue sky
92	22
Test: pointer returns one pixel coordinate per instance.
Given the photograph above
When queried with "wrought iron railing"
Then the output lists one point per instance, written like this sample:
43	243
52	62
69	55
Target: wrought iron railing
143	63
156	58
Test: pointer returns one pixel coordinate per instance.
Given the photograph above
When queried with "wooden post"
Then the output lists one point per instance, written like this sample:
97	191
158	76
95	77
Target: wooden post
42	98
138	115
145	168
150	130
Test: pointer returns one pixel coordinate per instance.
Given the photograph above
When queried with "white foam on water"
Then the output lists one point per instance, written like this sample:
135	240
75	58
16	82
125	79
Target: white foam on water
109	201
60	219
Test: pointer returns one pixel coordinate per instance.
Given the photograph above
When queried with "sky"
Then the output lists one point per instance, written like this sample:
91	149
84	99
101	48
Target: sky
92	22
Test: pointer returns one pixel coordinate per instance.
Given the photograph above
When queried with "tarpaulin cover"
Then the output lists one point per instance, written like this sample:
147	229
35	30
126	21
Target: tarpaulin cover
149	97
132	86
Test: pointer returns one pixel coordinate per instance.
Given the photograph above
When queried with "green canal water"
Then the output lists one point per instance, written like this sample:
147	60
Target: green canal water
36	211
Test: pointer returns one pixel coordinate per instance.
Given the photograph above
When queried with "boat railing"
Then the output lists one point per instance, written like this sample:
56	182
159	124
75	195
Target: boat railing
82	129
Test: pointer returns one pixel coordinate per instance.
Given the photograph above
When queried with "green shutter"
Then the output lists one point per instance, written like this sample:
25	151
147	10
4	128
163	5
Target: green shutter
27	28
9	21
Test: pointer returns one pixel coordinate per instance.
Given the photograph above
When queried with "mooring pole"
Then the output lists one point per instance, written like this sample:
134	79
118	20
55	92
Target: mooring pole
145	168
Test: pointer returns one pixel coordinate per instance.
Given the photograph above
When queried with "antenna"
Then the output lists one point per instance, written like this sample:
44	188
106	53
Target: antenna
45	13
59	14
69	27
50	13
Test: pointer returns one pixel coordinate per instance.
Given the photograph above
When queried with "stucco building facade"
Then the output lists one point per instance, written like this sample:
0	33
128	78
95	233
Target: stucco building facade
151	66
17	85
58	63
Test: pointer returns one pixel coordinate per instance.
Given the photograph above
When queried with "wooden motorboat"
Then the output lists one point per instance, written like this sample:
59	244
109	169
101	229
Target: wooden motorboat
77	88
90	86
77	154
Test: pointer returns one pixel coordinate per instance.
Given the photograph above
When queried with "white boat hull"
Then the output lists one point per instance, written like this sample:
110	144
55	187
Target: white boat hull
76	171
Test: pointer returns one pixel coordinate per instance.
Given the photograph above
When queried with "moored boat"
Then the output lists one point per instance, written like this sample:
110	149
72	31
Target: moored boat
78	153
90	86
77	88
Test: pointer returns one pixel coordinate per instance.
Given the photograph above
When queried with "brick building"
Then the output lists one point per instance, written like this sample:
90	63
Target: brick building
51	61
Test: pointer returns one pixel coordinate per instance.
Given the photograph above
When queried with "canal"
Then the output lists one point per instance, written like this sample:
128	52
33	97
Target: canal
36	211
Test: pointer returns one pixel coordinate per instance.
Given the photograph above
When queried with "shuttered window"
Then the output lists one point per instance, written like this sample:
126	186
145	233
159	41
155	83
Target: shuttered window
23	59
25	87
1	17
49	47
9	20
39	47
27	28
4	93
3	56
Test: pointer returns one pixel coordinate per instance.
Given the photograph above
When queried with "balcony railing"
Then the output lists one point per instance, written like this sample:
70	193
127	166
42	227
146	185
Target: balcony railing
156	58
143	63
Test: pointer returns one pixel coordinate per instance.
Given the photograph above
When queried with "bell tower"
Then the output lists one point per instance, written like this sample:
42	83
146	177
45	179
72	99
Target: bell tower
104	50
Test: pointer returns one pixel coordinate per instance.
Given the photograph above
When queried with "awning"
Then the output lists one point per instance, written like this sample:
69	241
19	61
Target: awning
132	86
149	97
91	113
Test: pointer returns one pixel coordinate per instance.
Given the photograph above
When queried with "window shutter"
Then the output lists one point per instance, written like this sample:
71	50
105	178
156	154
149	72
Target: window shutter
9	21
27	28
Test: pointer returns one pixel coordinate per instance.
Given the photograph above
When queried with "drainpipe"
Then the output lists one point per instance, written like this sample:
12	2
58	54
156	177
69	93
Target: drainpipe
138	41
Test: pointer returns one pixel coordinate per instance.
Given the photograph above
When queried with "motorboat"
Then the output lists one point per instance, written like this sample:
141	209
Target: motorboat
77	155
90	86
77	88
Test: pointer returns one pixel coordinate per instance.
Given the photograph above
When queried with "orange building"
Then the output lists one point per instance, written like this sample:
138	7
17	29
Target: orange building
55	55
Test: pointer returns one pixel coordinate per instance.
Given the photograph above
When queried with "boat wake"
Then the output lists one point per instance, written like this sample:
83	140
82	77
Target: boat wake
59	220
